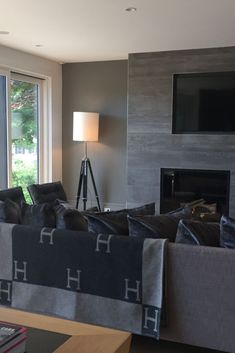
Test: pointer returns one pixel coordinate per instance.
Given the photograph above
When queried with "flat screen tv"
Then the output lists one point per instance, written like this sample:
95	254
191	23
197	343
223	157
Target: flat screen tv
204	103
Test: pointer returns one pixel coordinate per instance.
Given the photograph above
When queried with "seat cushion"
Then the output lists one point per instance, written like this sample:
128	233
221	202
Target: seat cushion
227	232
198	233
15	194
49	192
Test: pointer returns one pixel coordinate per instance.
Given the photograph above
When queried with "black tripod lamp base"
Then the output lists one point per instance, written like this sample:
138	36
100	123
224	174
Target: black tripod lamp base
82	185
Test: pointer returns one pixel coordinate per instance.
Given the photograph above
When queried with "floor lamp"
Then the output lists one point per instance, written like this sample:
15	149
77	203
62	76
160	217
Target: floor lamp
85	128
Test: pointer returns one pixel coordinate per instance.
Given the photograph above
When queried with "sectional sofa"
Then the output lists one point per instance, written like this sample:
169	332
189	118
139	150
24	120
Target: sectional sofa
200	293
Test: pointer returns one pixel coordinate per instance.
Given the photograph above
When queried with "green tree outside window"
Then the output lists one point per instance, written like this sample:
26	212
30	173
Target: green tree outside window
24	111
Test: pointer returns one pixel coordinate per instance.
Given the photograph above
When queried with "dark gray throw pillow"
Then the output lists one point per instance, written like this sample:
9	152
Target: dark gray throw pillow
158	226
147	209
108	223
68	217
182	213
198	233
41	215
227	232
115	222
207	217
10	212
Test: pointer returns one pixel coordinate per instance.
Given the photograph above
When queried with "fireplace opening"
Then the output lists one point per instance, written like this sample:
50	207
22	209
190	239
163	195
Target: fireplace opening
182	186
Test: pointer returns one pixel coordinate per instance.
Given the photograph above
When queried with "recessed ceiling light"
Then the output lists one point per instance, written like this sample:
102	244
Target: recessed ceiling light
4	32
131	9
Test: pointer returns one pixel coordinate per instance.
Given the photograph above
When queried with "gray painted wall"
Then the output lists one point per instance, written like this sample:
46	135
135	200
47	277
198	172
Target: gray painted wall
100	87
151	145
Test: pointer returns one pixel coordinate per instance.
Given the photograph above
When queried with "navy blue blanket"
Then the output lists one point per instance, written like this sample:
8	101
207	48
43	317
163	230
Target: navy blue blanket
107	280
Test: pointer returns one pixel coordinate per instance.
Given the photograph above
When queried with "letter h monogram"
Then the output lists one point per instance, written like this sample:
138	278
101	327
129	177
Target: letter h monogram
151	319
135	290
22	271
100	241
47	233
70	279
5	291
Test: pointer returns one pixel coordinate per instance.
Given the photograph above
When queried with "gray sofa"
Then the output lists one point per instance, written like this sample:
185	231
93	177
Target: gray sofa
201	296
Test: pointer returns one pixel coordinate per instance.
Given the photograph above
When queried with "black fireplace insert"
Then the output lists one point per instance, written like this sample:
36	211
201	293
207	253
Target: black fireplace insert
182	186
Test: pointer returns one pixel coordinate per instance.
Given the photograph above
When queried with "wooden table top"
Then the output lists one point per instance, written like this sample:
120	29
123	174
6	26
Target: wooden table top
84	338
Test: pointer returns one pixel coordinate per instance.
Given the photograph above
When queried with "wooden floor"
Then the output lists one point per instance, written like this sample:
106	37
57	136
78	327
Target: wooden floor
148	345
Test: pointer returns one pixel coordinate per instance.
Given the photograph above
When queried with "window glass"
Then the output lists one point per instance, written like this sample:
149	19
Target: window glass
24	133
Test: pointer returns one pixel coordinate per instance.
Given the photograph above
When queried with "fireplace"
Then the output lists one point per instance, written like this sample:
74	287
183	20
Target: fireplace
182	186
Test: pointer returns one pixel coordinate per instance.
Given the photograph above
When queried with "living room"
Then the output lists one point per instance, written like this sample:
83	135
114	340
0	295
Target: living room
122	61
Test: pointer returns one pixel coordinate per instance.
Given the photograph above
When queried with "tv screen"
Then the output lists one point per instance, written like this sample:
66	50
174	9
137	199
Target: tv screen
204	103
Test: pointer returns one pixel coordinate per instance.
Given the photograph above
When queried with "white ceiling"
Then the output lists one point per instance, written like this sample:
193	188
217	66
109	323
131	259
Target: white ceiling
93	30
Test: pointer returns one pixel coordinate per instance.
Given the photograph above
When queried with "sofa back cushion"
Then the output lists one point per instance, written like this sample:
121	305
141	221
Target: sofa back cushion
14	194
227	232
198	233
48	192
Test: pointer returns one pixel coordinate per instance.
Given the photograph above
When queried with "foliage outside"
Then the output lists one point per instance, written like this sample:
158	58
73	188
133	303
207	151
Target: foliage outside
23	176
24	134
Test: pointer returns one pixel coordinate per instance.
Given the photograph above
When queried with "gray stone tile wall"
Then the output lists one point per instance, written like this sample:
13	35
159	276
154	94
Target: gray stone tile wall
150	143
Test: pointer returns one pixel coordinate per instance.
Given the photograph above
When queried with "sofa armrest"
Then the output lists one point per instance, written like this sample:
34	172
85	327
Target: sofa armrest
201	296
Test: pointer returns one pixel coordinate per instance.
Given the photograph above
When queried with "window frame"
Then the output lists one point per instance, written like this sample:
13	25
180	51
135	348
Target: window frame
40	123
6	72
44	122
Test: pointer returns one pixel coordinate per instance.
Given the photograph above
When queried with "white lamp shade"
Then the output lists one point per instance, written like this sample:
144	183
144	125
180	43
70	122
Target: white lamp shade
85	126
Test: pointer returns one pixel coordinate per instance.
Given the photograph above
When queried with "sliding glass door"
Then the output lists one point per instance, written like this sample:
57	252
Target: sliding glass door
3	131
21	131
